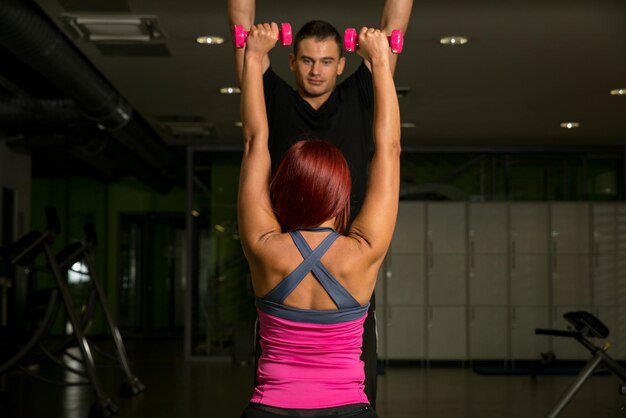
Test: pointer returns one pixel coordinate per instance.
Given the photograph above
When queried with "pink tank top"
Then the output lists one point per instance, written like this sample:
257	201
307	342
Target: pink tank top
310	358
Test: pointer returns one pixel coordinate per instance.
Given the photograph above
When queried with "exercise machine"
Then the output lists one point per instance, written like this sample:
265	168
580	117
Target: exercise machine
23	253
585	326
83	251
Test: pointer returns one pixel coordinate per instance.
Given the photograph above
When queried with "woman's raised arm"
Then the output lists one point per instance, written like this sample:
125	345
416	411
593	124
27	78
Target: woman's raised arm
254	211
375	222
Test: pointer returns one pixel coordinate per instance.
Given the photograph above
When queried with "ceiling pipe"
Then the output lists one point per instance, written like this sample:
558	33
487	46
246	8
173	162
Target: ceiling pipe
30	36
52	127
25	33
34	115
107	157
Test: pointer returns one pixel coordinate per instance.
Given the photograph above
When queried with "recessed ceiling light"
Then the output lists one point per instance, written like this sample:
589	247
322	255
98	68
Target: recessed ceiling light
209	40
407	125
453	40
618	92
570	125
230	90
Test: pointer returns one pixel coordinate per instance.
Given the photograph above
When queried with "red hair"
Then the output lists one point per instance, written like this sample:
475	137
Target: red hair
311	185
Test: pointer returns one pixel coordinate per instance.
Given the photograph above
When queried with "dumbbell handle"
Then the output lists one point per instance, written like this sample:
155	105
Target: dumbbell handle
240	35
396	40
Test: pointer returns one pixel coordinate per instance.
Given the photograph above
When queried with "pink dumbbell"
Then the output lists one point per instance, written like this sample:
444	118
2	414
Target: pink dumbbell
396	40
240	35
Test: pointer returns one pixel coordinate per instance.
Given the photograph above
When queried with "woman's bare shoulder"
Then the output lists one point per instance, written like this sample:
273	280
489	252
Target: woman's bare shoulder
355	266
352	256
357	245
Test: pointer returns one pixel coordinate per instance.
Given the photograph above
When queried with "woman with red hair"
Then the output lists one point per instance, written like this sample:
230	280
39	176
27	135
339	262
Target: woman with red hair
312	275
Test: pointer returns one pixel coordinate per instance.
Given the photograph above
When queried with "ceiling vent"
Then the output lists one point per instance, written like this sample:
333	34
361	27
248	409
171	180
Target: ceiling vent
114	28
402	92
181	130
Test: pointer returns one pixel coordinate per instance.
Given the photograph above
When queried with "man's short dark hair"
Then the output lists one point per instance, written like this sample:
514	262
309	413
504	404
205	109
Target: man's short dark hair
319	30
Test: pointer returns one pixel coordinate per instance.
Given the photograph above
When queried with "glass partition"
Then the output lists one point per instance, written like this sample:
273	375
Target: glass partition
221	309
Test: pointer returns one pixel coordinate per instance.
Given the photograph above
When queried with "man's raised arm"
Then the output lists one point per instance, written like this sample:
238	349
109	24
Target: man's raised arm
241	12
395	15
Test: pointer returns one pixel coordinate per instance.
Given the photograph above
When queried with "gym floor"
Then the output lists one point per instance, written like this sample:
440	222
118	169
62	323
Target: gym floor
175	388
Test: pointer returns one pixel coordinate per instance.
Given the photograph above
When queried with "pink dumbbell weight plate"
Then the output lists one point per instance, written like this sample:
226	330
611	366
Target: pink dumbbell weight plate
240	35
396	40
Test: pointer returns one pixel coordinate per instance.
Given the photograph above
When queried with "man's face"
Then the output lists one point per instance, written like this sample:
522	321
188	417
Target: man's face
316	66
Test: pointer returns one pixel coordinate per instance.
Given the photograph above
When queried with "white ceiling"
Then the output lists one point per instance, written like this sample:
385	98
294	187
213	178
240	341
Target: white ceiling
528	66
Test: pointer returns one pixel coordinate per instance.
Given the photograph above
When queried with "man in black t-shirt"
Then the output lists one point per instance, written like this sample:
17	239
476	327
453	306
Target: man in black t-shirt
319	108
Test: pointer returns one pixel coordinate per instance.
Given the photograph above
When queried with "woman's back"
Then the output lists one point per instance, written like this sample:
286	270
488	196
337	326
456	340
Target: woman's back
310	355
345	259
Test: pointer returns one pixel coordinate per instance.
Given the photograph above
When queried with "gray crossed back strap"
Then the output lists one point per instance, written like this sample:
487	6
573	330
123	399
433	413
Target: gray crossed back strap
311	263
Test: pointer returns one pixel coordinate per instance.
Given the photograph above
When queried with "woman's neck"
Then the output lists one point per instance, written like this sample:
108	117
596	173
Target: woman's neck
328	224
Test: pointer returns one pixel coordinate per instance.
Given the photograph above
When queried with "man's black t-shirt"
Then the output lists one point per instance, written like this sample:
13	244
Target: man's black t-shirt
345	120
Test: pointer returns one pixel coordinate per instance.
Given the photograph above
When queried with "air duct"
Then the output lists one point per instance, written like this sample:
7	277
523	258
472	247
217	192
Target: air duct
28	34
38	43
38	115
